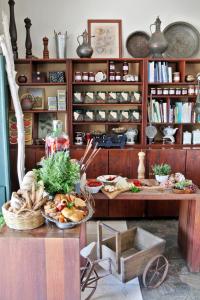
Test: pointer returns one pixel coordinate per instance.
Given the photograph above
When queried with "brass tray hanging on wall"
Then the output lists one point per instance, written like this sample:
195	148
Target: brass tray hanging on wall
183	40
137	44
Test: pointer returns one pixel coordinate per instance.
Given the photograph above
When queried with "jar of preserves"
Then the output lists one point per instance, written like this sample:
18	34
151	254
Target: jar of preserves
112	66
172	91
178	91
176	77
125	68
118	76
159	91
165	91
78	76
85	76
91	77
153	91
184	91
112	76
191	90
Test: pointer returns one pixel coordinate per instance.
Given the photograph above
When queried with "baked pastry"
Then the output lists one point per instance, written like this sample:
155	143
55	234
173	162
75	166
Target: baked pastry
73	214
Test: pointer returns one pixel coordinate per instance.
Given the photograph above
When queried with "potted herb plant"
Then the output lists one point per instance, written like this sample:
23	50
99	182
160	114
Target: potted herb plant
161	172
59	173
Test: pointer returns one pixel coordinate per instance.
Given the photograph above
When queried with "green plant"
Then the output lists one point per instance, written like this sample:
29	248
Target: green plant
183	184
161	170
135	189
1	220
58	173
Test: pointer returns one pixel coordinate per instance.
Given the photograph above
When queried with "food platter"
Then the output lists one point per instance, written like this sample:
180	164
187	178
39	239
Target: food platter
69	225
111	179
183	40
137	44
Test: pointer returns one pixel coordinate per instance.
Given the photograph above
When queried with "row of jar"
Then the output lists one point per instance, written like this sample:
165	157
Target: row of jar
190	90
81	115
107	97
102	76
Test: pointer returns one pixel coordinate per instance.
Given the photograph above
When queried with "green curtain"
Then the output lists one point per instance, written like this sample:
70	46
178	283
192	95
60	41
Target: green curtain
4	144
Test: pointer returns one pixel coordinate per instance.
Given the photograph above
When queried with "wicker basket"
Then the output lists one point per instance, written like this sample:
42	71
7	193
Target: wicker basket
22	221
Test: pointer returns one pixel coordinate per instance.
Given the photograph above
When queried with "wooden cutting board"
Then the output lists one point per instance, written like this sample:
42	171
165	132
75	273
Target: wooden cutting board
114	194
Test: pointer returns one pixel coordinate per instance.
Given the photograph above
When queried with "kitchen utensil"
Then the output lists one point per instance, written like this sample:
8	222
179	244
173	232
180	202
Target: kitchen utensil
151	130
109	179
84	50
137	44
183	40
100	76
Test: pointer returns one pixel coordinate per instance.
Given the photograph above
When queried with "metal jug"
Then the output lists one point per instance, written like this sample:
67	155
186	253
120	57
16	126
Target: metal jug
157	43
84	50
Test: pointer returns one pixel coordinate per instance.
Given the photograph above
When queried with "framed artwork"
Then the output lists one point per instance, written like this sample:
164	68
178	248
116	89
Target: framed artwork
45	124
38	94
107	38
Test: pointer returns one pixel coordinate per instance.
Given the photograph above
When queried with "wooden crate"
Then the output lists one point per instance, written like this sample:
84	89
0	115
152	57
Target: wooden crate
130	251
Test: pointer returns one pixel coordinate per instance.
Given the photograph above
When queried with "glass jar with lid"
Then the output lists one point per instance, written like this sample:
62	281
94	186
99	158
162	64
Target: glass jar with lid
57	140
112	76
78	76
112	66
125	68
118	76
85	76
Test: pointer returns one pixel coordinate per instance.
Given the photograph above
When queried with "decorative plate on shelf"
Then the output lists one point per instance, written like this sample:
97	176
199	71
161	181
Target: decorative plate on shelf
137	44
183	40
111	179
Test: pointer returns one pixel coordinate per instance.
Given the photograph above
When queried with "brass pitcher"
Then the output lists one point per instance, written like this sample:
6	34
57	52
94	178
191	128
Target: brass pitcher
157	43
84	50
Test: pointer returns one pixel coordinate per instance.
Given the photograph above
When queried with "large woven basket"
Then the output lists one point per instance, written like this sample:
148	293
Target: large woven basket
22	221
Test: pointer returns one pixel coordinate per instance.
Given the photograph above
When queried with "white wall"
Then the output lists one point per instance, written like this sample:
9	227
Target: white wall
72	15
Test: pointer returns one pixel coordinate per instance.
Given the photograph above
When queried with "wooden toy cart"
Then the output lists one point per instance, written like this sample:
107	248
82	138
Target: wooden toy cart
134	252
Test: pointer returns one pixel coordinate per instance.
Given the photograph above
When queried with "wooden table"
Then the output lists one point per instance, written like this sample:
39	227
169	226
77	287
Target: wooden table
40	264
189	219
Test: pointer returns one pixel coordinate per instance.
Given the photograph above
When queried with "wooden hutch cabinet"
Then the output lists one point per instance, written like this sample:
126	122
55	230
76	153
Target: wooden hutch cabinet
183	158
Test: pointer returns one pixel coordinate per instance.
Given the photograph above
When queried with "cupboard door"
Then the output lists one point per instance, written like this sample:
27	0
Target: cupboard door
193	165
176	159
124	162
99	165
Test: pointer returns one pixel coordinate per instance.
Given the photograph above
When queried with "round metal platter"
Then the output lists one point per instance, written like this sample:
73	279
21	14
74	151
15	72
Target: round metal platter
183	40
137	44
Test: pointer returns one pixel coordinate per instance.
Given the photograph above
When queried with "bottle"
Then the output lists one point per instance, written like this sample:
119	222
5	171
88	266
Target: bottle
125	68
57	140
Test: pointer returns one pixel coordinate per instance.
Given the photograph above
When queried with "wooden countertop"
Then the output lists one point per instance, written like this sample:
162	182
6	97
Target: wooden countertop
45	231
152	195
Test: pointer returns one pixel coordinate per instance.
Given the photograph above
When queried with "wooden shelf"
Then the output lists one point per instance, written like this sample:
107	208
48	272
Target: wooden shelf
41	83
107	83
40	60
173	96
105	123
106	104
172	83
41	111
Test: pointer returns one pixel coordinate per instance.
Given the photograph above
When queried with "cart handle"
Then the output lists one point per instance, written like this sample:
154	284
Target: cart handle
100	225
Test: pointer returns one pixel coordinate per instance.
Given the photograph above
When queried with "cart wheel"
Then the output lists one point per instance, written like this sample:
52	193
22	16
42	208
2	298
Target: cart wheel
89	285
155	272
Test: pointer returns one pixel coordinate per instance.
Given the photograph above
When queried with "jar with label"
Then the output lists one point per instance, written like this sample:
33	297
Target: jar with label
125	68
89	115
172	91
101	115
191	90
176	77
85	76
178	91
153	91
91	77
101	97
159	91
165	91
78	76
124	116
123	97
112	66
112	76
184	91
118	76
78	97
112	97
112	115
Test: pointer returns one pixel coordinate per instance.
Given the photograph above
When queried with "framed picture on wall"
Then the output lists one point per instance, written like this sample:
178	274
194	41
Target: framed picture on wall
38	95
107	40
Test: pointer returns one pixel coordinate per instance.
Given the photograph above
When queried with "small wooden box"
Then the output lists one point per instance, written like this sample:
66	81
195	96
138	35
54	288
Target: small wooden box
39	77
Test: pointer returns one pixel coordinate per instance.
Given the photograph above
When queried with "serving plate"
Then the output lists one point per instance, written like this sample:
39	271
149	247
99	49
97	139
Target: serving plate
70	224
137	44
183	40
105	179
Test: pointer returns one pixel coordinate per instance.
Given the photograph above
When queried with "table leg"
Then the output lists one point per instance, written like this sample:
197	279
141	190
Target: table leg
189	233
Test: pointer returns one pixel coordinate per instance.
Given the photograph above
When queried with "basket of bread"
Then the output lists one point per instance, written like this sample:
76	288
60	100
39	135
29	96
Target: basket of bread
23	211
69	210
